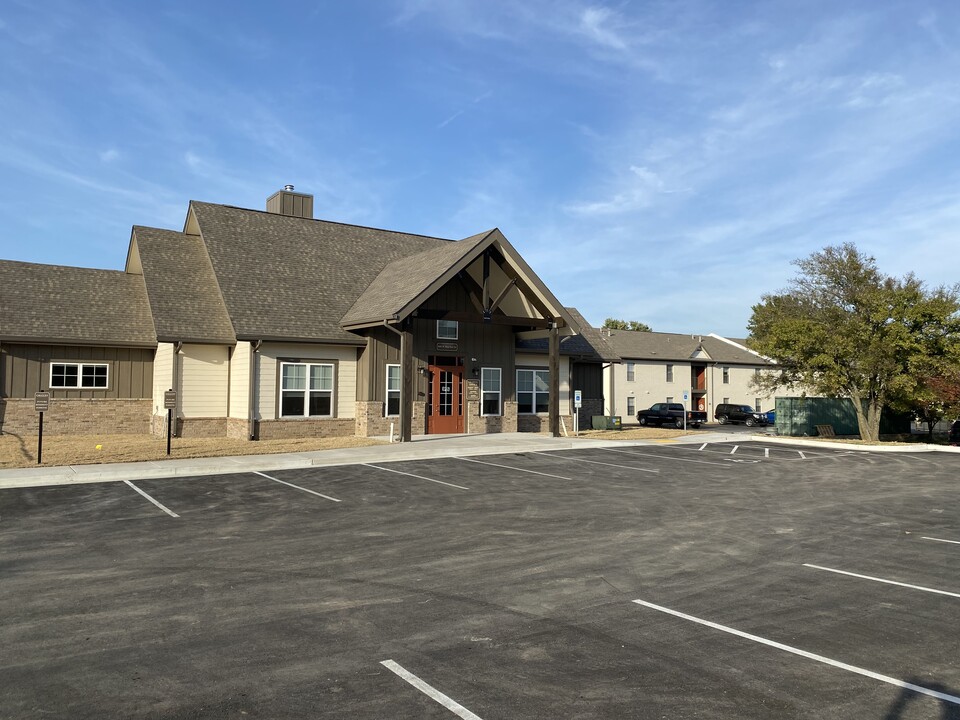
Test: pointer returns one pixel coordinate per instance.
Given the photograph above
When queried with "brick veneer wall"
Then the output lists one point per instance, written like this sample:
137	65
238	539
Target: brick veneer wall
327	427
588	408
77	417
238	428
371	422
475	424
541	423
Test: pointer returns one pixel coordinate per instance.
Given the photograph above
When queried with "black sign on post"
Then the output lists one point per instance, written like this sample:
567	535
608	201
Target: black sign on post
41	402
170	403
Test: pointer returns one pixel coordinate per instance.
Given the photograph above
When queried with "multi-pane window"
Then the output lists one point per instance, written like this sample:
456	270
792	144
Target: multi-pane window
533	391
393	390
631	407
490	391
306	389
447	330
78	375
726	376
669	373
757	405
726	401
630	372
670	399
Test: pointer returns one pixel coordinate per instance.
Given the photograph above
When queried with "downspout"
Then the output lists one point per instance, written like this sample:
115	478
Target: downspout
177	348
253	430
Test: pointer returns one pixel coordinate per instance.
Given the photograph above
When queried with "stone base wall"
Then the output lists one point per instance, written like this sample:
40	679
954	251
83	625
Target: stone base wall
475	424
201	427
76	417
238	429
541	423
288	429
370	421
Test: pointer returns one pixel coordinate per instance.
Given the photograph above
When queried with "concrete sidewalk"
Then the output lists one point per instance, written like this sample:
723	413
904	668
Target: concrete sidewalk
422	447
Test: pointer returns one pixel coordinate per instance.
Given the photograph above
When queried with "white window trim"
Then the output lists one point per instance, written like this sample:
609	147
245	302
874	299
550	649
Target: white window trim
306	391
80	366
387	391
631	372
725	375
669	373
456	330
499	392
534	391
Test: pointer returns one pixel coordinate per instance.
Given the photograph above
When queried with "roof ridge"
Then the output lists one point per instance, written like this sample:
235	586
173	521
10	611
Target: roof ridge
63	267
328	222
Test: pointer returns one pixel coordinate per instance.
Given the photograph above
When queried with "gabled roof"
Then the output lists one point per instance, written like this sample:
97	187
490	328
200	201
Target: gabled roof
590	345
291	278
182	289
78	306
401	282
633	345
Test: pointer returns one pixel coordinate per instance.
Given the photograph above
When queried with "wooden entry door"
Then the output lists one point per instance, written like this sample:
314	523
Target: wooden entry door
445	401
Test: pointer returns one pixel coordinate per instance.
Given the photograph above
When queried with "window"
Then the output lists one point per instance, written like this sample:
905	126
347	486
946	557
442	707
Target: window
533	391
669	373
490	391
670	399
306	389
78	375
447	330
393	391
726	401
631	407
726	376
630	372
757	404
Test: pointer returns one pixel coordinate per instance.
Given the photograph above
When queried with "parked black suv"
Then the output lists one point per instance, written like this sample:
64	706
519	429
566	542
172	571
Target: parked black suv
739	414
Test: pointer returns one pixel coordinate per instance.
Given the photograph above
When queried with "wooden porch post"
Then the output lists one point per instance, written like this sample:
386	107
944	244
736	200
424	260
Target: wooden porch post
406	382
555	380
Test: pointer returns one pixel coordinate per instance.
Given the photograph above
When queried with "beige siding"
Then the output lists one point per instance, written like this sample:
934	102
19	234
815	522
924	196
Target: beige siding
162	375
204	381
240	381
344	358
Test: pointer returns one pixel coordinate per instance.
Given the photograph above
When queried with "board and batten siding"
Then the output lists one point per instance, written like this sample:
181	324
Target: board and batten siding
240	381
344	358
204	378
26	370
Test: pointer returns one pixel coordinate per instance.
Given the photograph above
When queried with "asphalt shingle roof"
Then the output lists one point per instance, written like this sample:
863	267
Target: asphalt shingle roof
633	345
590	344
182	289
54	303
295	278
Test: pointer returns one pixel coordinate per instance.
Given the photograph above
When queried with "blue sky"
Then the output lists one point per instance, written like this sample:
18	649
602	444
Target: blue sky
656	161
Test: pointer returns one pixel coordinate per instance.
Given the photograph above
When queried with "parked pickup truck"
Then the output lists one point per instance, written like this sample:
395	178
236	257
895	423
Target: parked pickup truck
670	414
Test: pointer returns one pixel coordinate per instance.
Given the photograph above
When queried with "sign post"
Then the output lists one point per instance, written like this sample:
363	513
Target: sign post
686	396
41	402
170	403
577	402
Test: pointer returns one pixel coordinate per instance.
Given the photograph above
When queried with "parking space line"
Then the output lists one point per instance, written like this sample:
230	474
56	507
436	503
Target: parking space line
881	580
284	482
419	477
664	457
167	510
734	450
593	462
510	467
803	653
953	542
430	691
703	446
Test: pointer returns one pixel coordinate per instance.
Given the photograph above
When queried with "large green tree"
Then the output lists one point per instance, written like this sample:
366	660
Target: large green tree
615	324
843	329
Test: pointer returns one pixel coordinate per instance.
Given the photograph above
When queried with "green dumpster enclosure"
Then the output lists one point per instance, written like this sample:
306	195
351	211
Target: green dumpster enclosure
606	422
799	416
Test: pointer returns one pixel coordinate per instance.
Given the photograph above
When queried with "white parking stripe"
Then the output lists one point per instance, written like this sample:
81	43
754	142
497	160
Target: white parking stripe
734	450
802	456
510	467
664	457
284	482
955	542
594	462
167	510
428	690
419	477
703	446
881	580
803	653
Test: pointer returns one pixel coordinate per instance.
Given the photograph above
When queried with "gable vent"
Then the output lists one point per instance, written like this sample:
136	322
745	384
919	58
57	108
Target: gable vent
288	202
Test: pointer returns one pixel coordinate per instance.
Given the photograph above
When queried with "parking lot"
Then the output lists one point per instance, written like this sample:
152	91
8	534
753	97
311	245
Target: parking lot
713	580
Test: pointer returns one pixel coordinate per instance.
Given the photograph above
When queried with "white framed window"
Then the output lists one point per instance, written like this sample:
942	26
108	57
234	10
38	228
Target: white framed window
726	376
490	391
726	401
757	404
82	376
631	407
392	406
631	375
448	330
306	389
669	373
533	391
670	399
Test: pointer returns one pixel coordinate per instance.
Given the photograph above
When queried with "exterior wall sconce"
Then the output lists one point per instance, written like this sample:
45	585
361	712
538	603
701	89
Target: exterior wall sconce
423	371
